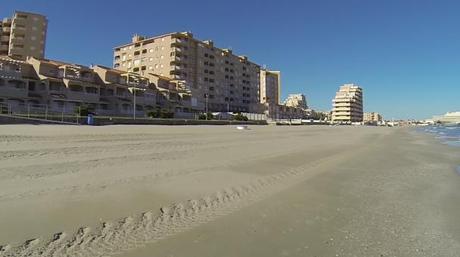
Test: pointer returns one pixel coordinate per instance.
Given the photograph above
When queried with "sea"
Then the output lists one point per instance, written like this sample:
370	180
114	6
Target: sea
449	135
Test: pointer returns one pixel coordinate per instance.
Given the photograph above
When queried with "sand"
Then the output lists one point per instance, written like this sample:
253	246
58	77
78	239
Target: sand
217	191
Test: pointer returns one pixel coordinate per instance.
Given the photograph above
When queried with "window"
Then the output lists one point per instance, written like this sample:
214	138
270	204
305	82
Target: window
136	69
205	55
144	51
143	68
91	90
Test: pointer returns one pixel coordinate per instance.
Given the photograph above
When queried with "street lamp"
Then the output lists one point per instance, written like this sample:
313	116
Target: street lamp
206	106
133	90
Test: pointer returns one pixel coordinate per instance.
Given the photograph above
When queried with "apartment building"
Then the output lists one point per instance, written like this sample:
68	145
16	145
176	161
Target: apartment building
270	86
296	100
348	104
63	87
23	35
217	79
372	118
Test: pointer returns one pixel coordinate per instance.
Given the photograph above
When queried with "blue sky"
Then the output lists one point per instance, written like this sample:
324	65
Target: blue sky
405	54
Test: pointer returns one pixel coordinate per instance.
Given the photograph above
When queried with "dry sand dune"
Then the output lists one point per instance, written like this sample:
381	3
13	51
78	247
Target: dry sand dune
218	191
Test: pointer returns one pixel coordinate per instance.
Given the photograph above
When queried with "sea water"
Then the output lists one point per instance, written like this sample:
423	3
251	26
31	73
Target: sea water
449	135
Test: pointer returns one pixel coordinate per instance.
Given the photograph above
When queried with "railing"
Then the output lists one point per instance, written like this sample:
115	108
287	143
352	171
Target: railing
41	112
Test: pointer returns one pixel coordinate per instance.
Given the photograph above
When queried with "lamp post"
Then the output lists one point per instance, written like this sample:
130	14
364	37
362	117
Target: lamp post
206	105
134	101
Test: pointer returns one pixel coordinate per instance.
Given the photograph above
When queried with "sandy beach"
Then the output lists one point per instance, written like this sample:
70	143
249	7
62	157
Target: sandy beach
141	191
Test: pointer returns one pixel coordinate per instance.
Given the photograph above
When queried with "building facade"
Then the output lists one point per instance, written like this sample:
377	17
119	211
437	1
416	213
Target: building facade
270	87
372	118
23	35
217	79
296	100
63	87
348	104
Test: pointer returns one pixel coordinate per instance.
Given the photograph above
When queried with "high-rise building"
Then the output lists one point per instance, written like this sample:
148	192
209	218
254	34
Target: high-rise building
218	79
270	86
348	104
23	35
297	101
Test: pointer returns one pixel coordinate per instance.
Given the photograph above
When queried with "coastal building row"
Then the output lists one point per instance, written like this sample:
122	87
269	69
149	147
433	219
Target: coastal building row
22	35
193	75
63	87
348	104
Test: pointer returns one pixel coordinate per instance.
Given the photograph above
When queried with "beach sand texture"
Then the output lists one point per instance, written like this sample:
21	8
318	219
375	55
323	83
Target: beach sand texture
217	191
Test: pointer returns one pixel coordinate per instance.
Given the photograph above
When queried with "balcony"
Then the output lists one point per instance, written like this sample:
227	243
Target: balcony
17	40
5	39
19	27
178	43
10	74
13	88
6	30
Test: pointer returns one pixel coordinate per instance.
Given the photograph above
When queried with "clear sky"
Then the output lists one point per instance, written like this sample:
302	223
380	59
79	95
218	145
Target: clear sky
405	54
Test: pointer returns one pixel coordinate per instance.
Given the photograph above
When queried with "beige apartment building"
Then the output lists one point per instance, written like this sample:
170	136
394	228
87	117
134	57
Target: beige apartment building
372	118
217	79
62	87
348	104
296	100
270	87
23	35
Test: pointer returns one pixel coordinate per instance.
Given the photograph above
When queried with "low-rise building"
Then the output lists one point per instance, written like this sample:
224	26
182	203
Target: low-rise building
372	118
448	118
64	87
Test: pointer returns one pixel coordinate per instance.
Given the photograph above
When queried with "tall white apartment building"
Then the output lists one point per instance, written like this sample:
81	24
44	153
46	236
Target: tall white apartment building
348	104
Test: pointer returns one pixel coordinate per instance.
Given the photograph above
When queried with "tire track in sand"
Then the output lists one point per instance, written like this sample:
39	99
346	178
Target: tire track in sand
112	238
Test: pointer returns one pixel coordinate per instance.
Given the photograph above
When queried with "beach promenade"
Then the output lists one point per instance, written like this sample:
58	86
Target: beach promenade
141	191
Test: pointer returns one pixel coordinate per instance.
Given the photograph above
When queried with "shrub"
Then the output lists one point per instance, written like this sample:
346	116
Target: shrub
84	110
240	117
203	116
160	113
